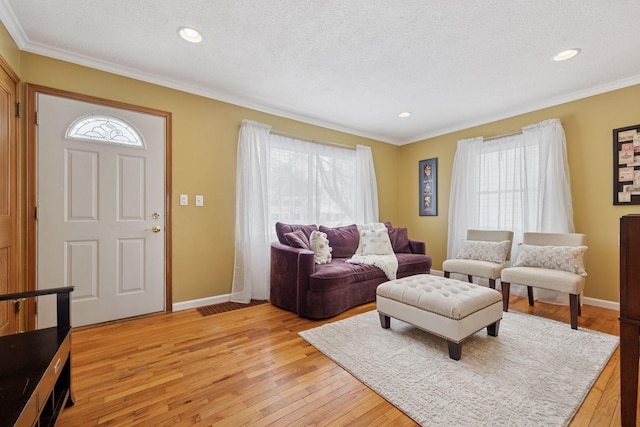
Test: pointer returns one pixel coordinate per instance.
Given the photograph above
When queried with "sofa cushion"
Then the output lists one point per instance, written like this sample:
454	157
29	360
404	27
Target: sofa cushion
339	273
399	240
343	240
374	240
297	239
282	229
320	247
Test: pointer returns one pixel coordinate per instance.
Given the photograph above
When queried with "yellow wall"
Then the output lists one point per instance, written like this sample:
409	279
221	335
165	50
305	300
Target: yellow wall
205	133
9	50
204	154
588	125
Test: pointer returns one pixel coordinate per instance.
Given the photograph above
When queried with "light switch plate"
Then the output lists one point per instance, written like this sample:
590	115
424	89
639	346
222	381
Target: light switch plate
199	200
184	199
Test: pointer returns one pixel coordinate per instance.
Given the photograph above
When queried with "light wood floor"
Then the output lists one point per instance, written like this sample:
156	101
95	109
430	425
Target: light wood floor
249	367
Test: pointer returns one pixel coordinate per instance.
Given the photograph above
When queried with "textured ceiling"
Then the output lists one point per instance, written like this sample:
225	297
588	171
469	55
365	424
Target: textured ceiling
351	65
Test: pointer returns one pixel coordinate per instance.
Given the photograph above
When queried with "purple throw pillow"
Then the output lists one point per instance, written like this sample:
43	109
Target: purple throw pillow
297	239
282	229
343	240
399	240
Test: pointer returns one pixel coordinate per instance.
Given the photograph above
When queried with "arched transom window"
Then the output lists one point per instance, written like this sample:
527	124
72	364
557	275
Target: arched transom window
105	129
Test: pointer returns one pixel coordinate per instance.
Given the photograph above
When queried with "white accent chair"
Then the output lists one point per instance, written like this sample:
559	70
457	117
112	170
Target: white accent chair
473	267
556	278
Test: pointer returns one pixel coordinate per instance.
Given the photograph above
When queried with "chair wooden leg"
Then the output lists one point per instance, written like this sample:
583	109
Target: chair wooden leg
505	295
579	306
492	283
530	294
574	302
447	274
469	278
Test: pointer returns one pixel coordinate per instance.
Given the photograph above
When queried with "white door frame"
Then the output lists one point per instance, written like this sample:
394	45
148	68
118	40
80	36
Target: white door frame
32	149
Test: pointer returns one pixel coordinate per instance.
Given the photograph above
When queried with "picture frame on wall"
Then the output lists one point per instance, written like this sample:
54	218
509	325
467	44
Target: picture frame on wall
428	187
626	165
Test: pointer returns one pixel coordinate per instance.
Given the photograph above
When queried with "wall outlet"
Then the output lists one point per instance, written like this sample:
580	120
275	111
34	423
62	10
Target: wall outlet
199	200
184	199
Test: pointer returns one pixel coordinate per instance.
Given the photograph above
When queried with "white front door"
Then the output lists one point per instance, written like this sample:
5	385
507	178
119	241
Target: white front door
100	209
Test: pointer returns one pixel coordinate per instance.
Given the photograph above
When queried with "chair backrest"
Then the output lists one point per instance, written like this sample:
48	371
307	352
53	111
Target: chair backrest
492	236
555	239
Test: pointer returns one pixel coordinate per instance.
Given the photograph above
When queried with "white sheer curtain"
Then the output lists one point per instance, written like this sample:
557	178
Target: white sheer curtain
292	181
366	187
252	217
518	182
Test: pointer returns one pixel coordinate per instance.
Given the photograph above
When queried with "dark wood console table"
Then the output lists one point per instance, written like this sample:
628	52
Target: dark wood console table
35	368
629	317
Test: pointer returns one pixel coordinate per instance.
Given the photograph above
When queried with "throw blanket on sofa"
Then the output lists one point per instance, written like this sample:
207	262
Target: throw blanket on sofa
375	249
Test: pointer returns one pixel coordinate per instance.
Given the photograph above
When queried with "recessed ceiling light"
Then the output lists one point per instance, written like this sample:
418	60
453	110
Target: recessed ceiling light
566	54
404	114
190	34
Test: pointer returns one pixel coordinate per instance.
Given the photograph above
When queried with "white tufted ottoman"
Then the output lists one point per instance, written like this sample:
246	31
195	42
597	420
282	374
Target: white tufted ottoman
445	307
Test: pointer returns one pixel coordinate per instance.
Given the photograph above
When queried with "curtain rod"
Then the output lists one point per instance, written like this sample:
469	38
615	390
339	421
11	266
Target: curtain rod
315	141
504	135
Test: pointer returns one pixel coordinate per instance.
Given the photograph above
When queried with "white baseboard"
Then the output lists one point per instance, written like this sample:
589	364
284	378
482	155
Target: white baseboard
601	303
185	305
585	300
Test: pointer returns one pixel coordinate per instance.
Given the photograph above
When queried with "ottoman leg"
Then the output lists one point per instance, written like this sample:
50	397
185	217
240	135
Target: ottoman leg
455	349
493	328
385	321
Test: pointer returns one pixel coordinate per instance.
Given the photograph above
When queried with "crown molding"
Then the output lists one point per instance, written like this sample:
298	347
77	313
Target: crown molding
528	108
14	28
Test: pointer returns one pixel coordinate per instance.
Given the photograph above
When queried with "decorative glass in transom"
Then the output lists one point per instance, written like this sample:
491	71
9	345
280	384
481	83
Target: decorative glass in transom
105	129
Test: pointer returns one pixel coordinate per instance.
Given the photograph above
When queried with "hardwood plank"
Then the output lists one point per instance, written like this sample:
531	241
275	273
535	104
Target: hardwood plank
250	367
593	400
605	411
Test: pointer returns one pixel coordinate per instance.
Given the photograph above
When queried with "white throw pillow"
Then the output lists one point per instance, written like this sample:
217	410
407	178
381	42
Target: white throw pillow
484	251
567	258
375	241
320	247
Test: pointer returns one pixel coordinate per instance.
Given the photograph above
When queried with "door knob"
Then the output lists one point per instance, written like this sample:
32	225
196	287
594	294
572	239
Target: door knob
155	228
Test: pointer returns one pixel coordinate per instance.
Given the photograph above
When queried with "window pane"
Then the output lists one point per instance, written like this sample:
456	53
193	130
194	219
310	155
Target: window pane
505	180
311	183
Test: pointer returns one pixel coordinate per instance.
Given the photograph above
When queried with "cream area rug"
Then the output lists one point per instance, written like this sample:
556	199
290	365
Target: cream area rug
536	372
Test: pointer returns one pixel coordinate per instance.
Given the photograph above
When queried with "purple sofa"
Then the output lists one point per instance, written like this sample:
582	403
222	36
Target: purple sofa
318	291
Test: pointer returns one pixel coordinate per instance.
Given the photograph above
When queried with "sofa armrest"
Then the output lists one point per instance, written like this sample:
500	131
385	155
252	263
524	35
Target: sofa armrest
290	271
418	247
